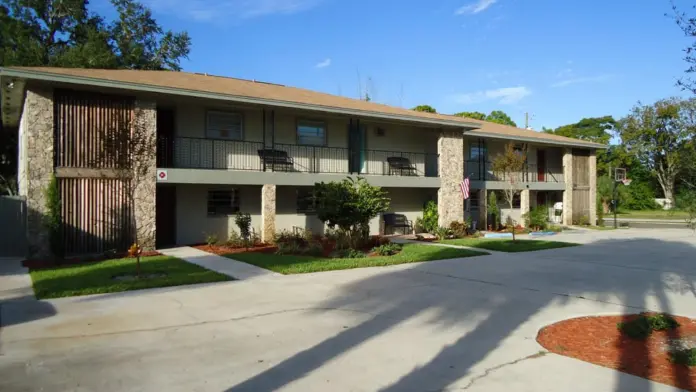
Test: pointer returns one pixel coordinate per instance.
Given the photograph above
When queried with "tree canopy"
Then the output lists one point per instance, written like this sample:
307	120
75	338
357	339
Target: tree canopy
67	34
659	136
593	129
425	108
472	115
500	117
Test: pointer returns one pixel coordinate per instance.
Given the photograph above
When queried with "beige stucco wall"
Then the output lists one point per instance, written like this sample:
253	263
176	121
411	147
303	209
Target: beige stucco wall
193	222
191	122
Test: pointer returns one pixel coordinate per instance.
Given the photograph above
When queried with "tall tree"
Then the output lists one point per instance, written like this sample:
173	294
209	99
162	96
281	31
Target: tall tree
687	24
593	129
508	165
658	135
500	117
472	115
425	108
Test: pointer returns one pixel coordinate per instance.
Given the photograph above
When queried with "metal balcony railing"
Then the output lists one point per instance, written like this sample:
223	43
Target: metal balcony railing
202	153
483	171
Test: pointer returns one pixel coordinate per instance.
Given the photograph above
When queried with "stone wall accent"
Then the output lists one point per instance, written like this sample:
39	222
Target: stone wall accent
268	212
593	188
450	203
144	197
568	192
483	209
525	204
37	143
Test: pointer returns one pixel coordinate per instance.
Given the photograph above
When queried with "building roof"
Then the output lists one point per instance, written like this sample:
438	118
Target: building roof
218	87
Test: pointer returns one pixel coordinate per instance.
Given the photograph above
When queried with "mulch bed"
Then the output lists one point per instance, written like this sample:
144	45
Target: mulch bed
52	263
598	340
226	250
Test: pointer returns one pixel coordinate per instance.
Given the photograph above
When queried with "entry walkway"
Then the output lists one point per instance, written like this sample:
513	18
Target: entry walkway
223	265
15	282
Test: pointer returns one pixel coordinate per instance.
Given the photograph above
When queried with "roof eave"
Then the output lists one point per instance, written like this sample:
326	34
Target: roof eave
579	143
81	80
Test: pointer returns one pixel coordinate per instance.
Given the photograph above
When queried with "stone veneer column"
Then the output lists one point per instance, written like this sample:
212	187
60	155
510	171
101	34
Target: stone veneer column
593	188
144	196
450	203
483	209
37	144
268	212
568	192
524	206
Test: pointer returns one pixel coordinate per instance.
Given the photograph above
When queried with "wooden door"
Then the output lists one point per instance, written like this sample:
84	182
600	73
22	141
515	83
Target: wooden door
541	165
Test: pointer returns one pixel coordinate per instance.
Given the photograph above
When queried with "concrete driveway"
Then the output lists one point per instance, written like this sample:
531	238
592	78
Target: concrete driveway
463	324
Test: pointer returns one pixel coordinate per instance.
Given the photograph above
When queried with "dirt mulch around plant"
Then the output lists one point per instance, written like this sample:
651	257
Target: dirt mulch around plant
598	340
226	250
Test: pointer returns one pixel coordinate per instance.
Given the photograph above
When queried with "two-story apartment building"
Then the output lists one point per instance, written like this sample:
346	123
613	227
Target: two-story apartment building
226	145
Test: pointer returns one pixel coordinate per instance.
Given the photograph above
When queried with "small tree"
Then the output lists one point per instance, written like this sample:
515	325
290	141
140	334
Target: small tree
350	204
53	219
243	222
128	154
509	166
430	217
493	209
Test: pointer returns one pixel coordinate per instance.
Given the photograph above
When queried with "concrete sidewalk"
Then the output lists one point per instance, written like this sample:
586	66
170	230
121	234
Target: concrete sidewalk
15	281
223	265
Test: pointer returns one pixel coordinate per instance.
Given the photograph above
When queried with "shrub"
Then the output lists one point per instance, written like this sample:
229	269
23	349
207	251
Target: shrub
581	220
430	217
458	229
287	236
255	238
642	326
493	210
211	239
387	249
684	357
288	248
418	226
442	233
537	217
234	240
555	228
640	197
243	221
53	220
313	249
350	254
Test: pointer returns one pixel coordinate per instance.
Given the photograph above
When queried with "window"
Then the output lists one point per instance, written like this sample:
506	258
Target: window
223	202
516	201
312	133
477	152
473	199
306	203
224	125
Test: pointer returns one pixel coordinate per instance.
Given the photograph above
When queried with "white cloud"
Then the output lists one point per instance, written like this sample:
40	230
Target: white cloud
223	10
323	64
565	73
475	8
588	79
505	96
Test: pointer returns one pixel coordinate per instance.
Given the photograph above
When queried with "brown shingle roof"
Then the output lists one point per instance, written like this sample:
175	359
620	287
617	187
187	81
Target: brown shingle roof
266	91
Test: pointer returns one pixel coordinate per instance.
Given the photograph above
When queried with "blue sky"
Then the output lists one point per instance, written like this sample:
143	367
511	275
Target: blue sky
558	60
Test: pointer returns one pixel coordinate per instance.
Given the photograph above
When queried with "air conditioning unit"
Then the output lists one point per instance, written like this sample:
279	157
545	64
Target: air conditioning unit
379	131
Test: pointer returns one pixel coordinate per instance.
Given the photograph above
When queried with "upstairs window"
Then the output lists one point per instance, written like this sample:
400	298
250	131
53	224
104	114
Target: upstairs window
223	202
311	133
224	125
477	152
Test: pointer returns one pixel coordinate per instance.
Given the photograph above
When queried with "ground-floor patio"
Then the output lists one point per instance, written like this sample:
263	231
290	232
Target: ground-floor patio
460	324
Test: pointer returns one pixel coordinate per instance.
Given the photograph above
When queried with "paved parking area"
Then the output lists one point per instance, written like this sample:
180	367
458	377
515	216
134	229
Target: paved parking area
462	324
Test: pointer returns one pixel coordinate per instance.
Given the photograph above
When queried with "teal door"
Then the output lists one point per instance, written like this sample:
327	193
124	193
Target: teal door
356	146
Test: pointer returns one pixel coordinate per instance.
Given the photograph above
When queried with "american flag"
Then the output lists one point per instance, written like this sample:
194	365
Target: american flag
465	188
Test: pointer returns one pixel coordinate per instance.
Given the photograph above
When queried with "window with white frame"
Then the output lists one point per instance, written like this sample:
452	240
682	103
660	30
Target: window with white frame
311	133
224	125
223	202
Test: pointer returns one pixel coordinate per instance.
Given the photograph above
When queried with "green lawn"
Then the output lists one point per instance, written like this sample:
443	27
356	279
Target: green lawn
650	214
507	245
290	264
96	278
607	226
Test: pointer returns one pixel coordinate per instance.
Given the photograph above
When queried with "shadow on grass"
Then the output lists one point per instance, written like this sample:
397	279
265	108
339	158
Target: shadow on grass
504	293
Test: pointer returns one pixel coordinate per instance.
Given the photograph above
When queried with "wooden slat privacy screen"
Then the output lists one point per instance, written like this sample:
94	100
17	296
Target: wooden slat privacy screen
82	122
581	184
95	210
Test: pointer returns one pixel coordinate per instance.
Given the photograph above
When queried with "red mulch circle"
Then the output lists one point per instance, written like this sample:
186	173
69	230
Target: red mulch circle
226	250
597	340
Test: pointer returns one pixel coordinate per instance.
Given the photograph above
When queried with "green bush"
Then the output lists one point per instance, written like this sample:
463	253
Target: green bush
442	233
288	248
493	210
54	220
350	254
243	222
537	217
684	357
430	217
387	250
287	237
640	197
643	325
313	249
211	239
234	240
581	220
459	229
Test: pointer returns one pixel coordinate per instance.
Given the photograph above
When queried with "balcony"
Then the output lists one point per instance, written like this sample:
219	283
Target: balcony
480	171
216	154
